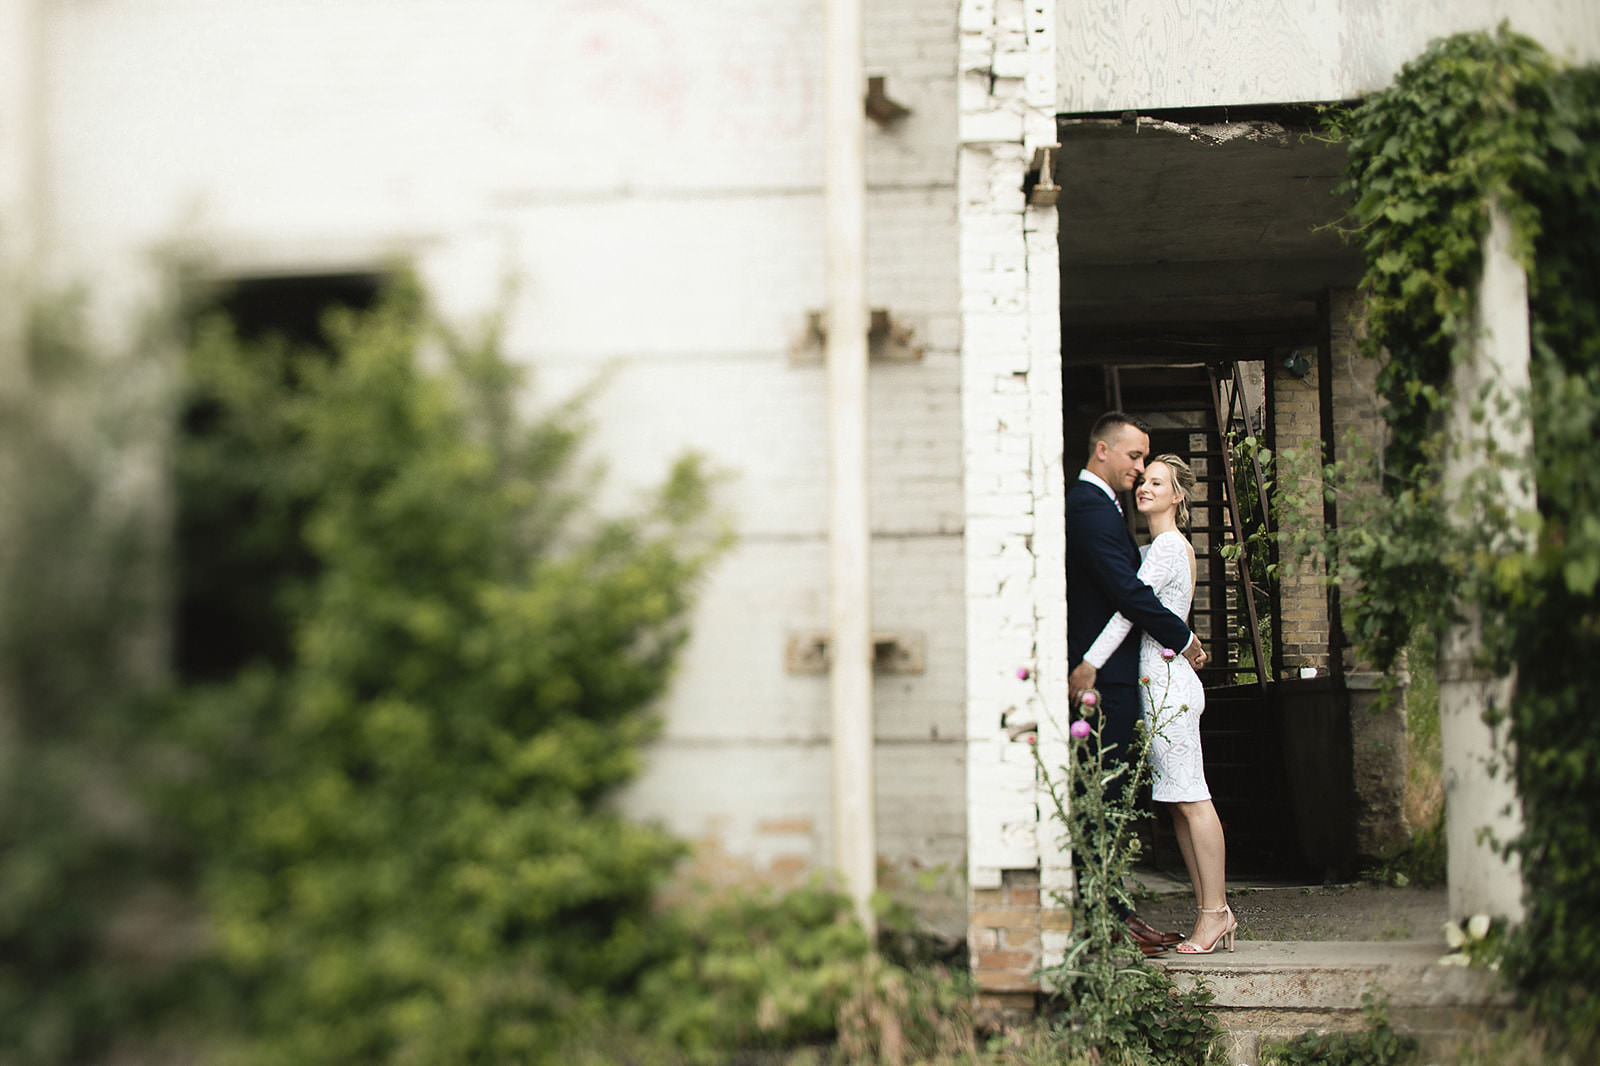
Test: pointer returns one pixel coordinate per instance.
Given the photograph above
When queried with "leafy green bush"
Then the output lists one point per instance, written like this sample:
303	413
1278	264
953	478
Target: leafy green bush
1480	116
401	829
94	941
762	970
383	832
755	970
1376	1045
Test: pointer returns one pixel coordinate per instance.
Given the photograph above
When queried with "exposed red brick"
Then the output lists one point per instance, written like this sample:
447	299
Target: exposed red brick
988	897
785	825
1004	917
1006	981
1055	919
790	866
1006	960
1006	1000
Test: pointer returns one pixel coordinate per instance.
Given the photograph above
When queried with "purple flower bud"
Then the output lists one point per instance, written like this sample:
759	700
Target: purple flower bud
1079	729
1022	673
1089	699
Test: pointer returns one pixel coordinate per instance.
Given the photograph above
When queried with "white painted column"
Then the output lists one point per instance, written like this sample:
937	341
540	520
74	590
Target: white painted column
1479	784
21	156
1013	490
849	534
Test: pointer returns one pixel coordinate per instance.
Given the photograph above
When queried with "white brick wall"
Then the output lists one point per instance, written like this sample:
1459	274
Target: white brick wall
649	171
1118	54
1015	561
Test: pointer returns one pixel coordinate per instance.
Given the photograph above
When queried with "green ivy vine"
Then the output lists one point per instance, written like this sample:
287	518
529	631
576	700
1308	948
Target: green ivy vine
1481	118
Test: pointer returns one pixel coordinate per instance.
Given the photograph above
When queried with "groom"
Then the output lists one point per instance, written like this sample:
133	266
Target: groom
1102	580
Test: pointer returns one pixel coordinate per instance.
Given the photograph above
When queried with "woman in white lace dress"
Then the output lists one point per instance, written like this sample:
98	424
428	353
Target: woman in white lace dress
1173	700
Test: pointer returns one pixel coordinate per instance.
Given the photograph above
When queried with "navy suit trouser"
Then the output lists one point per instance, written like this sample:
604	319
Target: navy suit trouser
1119	710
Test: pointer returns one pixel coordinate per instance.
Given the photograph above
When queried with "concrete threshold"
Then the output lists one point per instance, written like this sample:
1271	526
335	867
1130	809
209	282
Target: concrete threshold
1275	990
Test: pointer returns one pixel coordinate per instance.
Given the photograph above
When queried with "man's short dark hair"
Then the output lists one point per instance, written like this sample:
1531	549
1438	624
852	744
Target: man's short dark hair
1110	425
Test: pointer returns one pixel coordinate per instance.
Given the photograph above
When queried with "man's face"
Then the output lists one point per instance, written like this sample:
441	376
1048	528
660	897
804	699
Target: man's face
1124	457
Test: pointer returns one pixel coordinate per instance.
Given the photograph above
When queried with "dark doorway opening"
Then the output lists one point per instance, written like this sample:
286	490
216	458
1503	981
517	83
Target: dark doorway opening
1195	253
1199	412
238	547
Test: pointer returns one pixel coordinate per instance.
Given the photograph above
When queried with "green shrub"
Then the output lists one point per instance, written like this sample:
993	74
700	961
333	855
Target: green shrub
401	829
384	833
764	970
1480	116
94	940
1376	1045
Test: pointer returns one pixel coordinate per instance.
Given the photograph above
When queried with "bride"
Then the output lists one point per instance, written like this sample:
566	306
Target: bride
1173	700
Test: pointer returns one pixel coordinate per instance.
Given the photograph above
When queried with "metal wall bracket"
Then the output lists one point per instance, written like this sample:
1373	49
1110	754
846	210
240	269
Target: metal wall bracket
900	652
889	340
880	108
1039	183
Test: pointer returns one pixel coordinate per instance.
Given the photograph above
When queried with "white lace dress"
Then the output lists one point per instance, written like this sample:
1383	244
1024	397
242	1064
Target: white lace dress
1172	698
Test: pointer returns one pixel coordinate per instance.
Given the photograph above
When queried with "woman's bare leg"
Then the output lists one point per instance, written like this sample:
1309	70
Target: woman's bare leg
1208	868
1180	829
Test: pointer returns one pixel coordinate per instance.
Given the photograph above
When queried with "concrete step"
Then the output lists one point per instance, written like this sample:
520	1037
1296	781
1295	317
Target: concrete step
1275	990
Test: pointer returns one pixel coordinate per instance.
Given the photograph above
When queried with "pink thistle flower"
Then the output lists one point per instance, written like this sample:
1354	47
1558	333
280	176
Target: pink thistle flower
1022	673
1167	654
1144	679
1090	698
1032	739
1079	729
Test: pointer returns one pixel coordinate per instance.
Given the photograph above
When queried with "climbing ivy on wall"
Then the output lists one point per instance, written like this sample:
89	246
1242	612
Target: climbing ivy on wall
1480	118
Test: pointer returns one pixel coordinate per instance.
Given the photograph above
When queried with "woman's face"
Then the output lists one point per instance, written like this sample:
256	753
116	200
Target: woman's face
1155	494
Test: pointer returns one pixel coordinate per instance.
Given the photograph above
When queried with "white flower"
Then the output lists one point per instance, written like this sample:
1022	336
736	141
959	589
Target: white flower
1453	935
1478	926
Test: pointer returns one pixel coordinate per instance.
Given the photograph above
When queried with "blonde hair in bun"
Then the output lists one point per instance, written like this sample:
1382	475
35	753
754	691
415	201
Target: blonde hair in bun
1183	480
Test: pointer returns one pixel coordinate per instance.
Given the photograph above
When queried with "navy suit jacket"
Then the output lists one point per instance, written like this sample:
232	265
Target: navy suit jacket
1102	579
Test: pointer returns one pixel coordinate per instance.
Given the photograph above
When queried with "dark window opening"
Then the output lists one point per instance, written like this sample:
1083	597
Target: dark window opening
239	552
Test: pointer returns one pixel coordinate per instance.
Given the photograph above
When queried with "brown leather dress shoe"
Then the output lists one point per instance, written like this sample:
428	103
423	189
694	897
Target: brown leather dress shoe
1145	933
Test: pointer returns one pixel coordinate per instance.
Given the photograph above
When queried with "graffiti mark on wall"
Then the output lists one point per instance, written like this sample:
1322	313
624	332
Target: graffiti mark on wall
673	84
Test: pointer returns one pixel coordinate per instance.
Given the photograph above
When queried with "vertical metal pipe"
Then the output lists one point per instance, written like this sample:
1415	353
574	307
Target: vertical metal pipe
1330	507
849	545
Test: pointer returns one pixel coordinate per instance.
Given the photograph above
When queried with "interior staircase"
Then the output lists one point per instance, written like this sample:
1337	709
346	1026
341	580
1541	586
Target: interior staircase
1191	410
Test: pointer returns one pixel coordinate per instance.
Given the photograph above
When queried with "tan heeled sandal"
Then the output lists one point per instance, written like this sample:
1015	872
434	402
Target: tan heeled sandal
1225	938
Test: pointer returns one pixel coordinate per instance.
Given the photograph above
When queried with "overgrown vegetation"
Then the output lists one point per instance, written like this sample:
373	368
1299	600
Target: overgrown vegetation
1107	1001
1525	1041
1377	1044
384	835
1255	542
403	841
1481	118
93	937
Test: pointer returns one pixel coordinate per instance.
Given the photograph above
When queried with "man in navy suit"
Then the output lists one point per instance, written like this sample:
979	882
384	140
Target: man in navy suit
1102	579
